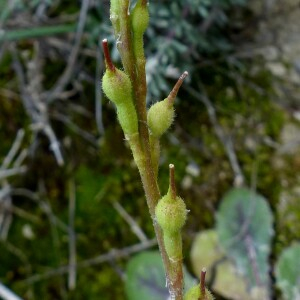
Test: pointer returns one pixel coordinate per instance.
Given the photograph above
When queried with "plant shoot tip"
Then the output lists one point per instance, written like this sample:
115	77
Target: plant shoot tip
108	61
202	282
185	73
172	181
176	87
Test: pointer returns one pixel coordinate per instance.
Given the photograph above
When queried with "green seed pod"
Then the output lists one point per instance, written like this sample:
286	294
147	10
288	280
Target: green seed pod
173	245
161	114
127	118
194	293
160	117
114	7
117	86
170	214
140	18
115	15
139	24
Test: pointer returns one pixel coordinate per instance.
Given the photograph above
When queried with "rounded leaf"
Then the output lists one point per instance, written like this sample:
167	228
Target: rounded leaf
287	272
244	226
205	252
146	277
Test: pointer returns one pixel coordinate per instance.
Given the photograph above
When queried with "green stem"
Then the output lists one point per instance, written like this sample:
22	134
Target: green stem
124	41
155	153
173	269
140	144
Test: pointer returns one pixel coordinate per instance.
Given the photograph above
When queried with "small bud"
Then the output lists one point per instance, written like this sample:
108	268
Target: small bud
161	114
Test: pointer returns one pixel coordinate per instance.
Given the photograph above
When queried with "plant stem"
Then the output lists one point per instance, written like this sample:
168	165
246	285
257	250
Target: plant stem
155	152
173	269
124	40
140	144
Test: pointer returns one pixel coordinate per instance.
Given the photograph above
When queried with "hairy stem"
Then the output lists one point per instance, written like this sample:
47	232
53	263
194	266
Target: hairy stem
139	143
173	269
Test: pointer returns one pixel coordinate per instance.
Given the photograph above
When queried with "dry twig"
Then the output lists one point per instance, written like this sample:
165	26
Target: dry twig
135	228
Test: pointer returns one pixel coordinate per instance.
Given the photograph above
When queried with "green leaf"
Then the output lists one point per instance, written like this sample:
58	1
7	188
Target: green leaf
231	285
244	226
221	272
146	277
287	272
205	253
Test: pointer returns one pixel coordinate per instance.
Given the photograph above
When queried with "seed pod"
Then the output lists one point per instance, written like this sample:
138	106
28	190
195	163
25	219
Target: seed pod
199	292
160	118
173	245
116	85
115	15
140	18
127	118
161	114
170	214
194	293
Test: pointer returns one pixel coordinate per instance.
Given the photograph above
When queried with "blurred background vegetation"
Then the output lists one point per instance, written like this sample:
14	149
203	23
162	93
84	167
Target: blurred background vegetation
66	174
